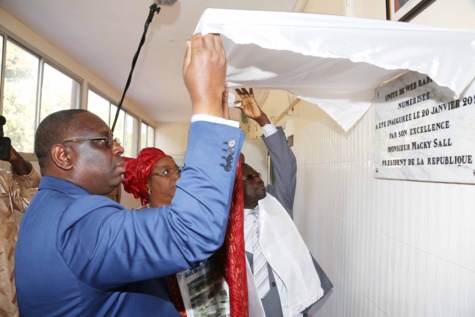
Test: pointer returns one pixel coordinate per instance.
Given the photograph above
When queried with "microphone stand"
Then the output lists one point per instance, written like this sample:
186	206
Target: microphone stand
153	9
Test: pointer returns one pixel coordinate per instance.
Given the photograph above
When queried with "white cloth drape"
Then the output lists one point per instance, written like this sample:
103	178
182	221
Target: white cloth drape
336	62
288	255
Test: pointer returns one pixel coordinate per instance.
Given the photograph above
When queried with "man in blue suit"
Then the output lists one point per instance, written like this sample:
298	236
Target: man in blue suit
82	254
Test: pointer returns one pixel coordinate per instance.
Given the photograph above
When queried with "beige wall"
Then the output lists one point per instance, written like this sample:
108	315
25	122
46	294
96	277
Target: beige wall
172	138
449	13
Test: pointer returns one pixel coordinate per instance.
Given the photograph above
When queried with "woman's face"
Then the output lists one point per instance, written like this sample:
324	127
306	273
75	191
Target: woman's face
162	182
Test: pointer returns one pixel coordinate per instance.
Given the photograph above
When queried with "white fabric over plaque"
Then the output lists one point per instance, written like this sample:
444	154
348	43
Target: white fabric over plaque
336	62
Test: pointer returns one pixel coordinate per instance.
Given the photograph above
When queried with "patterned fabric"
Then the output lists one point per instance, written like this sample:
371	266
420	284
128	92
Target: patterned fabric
15	195
231	255
137	172
234	258
259	264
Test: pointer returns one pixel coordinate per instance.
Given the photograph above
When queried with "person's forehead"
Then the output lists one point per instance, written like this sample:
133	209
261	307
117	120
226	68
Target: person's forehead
89	122
166	161
247	169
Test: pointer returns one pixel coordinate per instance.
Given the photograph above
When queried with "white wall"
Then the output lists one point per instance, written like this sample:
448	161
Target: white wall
391	248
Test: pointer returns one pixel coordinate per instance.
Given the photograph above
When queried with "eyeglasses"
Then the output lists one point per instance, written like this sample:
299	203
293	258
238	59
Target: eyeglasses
168	172
251	176
108	142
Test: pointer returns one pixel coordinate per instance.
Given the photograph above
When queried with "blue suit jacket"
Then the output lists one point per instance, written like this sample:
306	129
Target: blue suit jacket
85	255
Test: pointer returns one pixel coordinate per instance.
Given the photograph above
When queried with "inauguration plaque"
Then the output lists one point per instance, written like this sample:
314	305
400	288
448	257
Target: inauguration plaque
423	133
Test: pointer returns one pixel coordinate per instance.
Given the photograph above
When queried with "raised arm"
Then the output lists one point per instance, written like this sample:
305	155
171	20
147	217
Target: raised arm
283	159
204	73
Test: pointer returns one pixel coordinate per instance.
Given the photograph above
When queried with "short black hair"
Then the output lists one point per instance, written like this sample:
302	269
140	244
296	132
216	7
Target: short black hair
52	130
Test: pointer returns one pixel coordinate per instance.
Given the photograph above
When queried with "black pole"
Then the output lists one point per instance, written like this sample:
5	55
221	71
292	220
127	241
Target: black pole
153	9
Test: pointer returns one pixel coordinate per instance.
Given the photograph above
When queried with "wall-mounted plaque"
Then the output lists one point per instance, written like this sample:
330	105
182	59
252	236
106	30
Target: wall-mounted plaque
423	133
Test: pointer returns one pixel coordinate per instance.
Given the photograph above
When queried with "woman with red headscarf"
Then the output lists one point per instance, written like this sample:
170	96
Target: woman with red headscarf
151	177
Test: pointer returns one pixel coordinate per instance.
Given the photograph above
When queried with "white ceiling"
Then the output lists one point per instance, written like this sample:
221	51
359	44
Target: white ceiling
104	35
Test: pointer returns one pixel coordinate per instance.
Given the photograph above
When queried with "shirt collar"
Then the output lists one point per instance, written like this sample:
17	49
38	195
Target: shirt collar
62	186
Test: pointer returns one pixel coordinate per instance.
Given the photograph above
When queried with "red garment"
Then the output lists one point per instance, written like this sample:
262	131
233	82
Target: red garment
176	295
137	172
234	261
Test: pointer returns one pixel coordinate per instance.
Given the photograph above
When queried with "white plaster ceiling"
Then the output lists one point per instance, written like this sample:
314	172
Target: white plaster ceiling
103	36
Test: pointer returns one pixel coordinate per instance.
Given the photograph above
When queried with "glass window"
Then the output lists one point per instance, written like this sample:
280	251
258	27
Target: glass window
1	56
20	96
33	89
131	136
143	135
147	136
99	106
59	92
150	136
126	127
119	129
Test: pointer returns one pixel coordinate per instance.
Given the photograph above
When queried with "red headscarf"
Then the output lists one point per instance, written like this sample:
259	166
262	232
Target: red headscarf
137	172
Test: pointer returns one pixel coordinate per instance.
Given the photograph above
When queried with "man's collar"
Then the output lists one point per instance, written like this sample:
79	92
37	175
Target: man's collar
61	185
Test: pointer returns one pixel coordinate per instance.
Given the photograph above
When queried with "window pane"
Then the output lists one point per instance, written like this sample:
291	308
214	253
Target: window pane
143	135
1	56
151	136
20	91
147	136
131	136
120	125
59	92
98	105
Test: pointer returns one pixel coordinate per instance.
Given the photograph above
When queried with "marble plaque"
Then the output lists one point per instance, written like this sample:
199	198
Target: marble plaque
423	133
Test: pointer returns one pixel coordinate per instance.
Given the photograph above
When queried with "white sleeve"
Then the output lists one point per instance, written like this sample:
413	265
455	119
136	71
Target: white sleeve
209	118
269	129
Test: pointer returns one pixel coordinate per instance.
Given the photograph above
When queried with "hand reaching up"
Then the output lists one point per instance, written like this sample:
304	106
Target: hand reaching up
250	107
204	73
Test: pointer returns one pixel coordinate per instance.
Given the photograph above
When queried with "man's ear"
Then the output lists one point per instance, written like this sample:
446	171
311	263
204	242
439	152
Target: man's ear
62	156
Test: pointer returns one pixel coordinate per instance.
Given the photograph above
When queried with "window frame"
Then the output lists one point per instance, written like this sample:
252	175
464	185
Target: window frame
42	60
84	87
139	119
